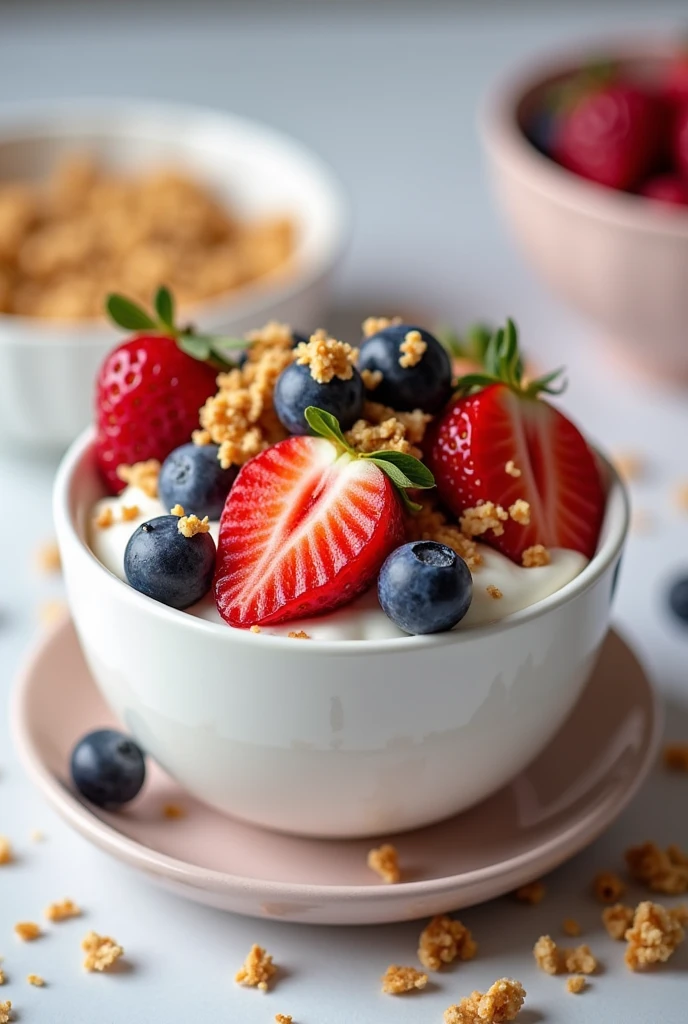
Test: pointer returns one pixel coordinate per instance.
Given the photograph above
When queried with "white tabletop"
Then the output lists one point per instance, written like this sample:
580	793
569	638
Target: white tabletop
387	93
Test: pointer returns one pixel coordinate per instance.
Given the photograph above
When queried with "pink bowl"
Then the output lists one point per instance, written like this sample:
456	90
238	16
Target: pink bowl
618	258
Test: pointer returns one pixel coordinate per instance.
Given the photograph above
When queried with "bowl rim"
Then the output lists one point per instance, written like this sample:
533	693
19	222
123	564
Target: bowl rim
27	119
505	141
80	454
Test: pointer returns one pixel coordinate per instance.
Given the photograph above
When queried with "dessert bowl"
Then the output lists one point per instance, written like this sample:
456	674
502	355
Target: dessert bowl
333	738
47	367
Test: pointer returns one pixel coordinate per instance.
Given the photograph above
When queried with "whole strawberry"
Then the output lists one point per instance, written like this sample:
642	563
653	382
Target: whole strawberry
612	135
150	389
500	442
666	188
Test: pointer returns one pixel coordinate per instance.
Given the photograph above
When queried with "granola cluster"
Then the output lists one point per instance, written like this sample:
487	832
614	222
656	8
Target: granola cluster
533	892
535	556
326	357
501	1003
101	952
664	871
397	980
257	969
676	757
432	524
143	475
190	525
384	860
62	910
27	931
486	515
653	937
552	960
608	887
382	427
5	850
373	324
444	940
617	920
412	349
5	1011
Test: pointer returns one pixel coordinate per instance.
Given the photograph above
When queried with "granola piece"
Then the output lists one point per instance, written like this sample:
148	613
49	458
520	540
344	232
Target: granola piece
478	520
177	510
101	952
283	1018
501	1003
608	887
617	920
257	969
6	855
520	512
444	940
371	379
535	556
494	592
27	931
512	469
201	437
532	893
36	980
383	428
413	349
653	937
326	357
173	812
396	980
2	976
431	524
675	756
629	465
547	955
664	871
681	496
254	629
373	324
298	635
143	475
105	518
571	927
579	960
36	836
130	512
680	914
274	335
48	557
51	611
5	1011
575	984
189	526
384	860
62	910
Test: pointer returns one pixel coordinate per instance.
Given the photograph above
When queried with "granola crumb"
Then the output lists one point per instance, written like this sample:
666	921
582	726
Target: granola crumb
412	348
494	592
35	979
575	984
629	465
653	937
373	324
257	969
617	920
512	469
478	520
371	379
579	960
143	475
173	812
2	976
532	893
397	980
326	357
298	635
384	860
5	1011
664	871
36	835
520	512
101	952
189	526
51	611
535	556
27	931
283	1018
254	629
382	427
177	510
62	910
547	955
431	524
680	914
681	496
608	887
571	927
6	856
501	1003
48	558
130	512
105	518
443	940
675	756
201	437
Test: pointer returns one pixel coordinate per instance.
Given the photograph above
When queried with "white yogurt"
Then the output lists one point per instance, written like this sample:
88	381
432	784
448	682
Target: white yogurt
363	619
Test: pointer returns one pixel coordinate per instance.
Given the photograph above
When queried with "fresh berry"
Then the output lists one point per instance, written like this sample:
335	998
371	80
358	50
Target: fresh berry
425	384
108	768
499	420
424	587
296	389
191	476
162	563
678	599
666	188
675	84
307	525
680	140
611	135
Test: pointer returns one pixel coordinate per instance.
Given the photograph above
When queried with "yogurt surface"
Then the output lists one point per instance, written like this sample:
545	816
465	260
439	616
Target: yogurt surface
362	619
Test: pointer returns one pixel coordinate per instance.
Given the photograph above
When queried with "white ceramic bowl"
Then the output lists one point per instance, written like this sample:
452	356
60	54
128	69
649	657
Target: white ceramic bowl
47	366
333	738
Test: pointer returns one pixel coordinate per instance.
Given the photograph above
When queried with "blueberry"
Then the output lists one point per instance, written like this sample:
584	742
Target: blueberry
296	390
108	768
424	587
678	599
426	385
541	129
162	563
191	476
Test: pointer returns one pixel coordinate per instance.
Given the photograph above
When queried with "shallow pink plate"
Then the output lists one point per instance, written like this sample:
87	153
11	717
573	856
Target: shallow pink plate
557	806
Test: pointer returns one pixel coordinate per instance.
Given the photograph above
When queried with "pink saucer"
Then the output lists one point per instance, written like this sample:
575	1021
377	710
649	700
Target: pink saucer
563	801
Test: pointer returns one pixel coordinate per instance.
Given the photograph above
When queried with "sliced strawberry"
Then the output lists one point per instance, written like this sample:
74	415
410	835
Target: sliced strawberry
507	423
305	529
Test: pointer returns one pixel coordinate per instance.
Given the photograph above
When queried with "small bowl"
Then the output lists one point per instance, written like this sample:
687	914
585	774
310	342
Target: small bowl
618	258
333	738
47	367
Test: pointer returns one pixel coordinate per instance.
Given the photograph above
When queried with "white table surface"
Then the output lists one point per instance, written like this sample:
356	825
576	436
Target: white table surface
387	93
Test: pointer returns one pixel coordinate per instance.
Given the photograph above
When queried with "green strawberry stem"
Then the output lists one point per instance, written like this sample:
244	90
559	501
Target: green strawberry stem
403	470
207	348
504	365
472	344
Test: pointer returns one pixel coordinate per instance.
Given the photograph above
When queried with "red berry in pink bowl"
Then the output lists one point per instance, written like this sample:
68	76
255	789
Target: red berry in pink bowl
666	188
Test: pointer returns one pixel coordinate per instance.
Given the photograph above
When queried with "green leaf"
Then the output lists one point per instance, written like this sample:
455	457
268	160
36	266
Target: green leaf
402	469
195	345
128	314
164	306
221	345
450	340
324	424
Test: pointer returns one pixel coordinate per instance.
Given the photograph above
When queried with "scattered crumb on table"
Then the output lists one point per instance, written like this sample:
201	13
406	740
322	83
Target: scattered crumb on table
576	983
101	952
607	887
62	910
664	871
48	557
27	930
570	927
257	969
384	860
5	850
5	1011
36	980
653	937
444	940
502	1002
675	756
532	893
617	920
397	980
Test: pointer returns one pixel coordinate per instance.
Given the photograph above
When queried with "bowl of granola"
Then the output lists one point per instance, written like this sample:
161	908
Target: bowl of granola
361	596
244	223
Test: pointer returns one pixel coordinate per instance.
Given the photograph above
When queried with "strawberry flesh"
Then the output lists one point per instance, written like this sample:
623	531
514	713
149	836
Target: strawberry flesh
303	531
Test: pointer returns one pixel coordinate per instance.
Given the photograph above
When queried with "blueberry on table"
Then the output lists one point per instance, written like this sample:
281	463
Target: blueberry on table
425	587
296	389
416	369
108	768
192	476
678	599
168	566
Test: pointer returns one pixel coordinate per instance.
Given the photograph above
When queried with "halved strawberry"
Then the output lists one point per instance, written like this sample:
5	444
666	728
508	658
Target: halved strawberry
505	423
307	525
